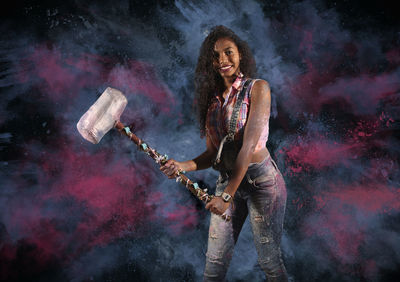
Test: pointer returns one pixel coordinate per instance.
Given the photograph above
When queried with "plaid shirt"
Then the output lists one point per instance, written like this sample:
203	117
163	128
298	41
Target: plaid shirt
220	112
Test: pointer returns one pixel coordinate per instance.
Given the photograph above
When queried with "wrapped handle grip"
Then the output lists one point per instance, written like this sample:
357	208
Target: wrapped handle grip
193	187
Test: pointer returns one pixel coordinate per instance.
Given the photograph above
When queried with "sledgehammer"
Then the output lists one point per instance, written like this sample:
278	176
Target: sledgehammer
104	115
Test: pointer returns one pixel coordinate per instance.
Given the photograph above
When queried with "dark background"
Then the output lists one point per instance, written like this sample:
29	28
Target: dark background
73	211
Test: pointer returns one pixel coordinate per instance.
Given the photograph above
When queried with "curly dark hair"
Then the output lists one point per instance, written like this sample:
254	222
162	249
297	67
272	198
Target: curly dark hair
208	82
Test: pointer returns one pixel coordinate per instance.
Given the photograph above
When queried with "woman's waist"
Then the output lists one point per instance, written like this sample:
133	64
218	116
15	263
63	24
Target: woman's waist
259	156
258	159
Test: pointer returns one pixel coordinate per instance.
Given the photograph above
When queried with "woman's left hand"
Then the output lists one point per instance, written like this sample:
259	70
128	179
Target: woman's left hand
217	206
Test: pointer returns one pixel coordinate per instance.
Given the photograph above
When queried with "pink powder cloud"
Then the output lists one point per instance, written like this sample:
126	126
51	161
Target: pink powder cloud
62	75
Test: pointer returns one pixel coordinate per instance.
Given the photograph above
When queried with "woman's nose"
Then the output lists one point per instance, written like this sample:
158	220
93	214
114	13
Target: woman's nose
222	59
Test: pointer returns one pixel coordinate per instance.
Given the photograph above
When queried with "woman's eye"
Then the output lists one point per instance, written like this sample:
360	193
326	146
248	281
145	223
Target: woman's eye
228	52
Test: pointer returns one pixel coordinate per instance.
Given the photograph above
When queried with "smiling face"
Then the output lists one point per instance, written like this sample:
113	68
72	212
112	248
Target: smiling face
226	58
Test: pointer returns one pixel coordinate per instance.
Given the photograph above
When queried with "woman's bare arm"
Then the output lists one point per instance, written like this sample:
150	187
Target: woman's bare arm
203	161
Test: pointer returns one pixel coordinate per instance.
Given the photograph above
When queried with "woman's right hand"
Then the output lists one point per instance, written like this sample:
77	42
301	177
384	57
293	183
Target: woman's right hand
171	168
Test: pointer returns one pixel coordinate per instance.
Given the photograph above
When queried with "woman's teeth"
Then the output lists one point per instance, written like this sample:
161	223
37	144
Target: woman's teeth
225	68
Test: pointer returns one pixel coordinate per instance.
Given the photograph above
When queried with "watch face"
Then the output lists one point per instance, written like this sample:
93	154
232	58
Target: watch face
226	197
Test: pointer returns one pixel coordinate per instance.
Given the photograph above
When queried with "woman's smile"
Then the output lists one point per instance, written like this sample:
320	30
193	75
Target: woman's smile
225	68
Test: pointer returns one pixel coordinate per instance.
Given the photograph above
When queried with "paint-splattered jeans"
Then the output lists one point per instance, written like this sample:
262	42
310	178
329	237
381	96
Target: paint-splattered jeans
262	194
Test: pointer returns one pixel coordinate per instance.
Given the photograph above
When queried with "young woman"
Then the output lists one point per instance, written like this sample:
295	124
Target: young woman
253	185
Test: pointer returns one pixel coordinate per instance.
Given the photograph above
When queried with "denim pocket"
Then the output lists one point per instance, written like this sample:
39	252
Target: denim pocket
262	181
262	175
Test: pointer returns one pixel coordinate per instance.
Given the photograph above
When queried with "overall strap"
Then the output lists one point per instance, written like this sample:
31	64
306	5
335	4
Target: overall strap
236	110
232	125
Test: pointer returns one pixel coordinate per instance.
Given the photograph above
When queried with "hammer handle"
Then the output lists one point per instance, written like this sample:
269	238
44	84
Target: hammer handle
193	187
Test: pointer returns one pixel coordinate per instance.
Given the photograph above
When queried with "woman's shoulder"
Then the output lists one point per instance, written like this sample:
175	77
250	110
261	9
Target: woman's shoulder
258	86
258	81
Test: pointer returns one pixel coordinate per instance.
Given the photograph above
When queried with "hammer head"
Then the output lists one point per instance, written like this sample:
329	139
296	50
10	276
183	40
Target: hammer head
102	115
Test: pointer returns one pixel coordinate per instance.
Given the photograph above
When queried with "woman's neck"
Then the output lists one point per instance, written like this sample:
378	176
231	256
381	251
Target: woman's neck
228	81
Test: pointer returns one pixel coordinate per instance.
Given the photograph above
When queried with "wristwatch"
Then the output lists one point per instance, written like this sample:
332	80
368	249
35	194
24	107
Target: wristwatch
226	197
